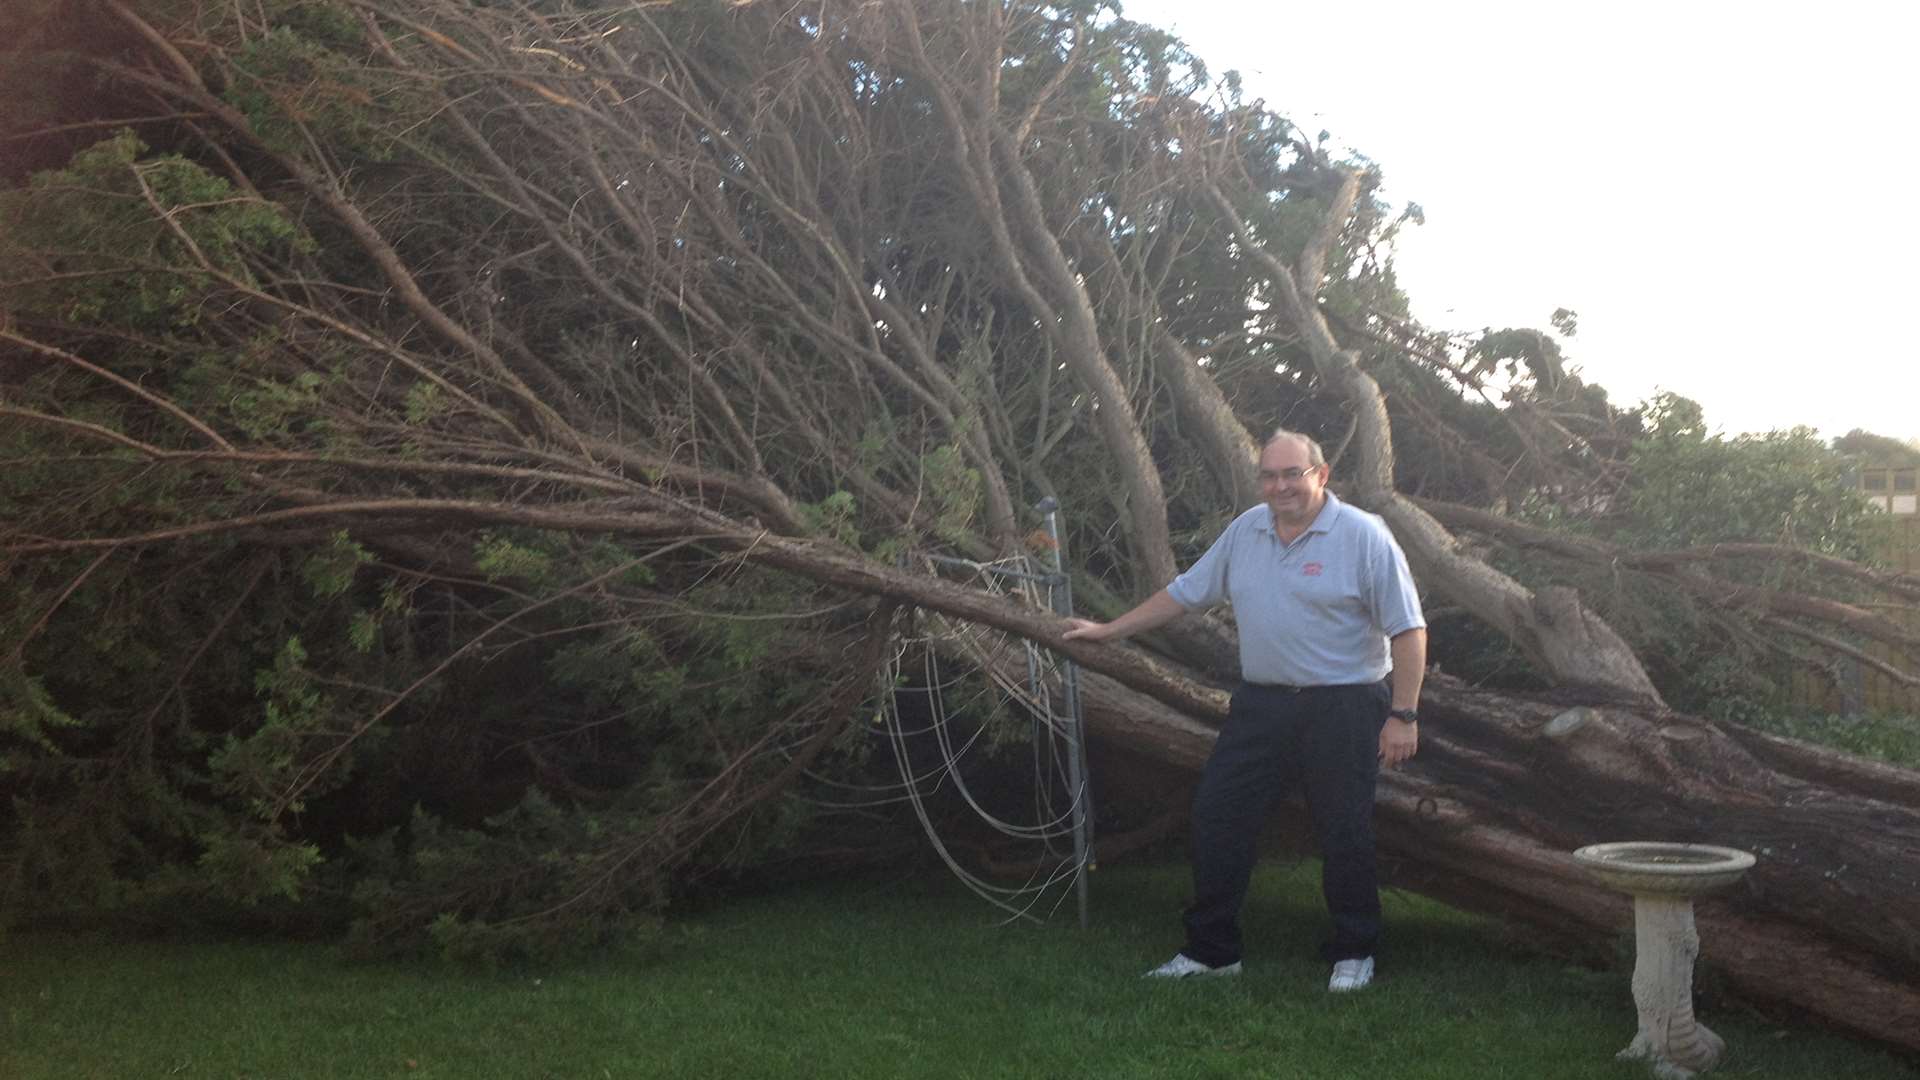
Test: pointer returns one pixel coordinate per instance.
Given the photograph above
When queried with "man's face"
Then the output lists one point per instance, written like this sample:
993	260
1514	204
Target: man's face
1295	491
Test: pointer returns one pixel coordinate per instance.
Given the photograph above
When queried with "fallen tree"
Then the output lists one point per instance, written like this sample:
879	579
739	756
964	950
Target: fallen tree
528	363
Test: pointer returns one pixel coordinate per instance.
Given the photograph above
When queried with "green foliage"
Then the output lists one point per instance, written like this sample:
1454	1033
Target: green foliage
424	402
1515	350
267	407
834	516
1890	737
294	84
251	387
608	669
1864	447
273	767
28	715
476	889
954	487
326	25
256	864
121	262
501	557
364	631
329	571
274	803
1690	488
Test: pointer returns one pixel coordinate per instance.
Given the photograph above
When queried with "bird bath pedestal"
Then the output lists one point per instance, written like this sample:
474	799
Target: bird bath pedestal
1664	879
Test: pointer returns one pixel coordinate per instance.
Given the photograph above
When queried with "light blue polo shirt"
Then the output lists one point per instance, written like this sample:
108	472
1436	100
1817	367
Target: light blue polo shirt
1316	612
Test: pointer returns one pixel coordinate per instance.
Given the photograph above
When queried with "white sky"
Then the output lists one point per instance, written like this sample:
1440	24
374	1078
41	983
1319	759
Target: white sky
1725	192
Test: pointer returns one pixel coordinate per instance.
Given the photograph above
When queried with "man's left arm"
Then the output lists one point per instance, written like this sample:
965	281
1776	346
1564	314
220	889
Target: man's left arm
1400	738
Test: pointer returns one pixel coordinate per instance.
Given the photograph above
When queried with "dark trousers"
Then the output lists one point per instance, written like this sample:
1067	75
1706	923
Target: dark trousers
1323	741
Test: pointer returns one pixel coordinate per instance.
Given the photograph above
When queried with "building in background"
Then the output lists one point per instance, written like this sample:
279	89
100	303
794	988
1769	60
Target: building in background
1891	487
1892	484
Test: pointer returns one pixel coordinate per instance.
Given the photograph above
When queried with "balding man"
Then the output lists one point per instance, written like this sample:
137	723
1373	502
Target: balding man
1326	609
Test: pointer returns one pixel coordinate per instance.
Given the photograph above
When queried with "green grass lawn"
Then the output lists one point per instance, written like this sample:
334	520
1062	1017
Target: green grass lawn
867	979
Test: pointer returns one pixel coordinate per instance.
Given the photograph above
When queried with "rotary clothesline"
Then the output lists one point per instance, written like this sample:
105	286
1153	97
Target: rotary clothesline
1053	747
1059	753
1018	900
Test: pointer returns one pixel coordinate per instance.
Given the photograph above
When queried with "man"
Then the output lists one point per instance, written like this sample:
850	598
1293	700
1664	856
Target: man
1326	607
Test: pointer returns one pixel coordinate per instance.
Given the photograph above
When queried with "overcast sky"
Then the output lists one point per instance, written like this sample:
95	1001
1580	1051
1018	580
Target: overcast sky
1724	192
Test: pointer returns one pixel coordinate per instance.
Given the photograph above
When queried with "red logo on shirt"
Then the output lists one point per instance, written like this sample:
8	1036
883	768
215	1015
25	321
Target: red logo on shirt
1312	569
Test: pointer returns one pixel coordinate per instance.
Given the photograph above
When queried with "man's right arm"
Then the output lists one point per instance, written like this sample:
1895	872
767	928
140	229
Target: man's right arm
1158	610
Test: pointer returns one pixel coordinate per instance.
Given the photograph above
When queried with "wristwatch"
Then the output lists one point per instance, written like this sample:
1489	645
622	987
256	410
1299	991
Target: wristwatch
1411	716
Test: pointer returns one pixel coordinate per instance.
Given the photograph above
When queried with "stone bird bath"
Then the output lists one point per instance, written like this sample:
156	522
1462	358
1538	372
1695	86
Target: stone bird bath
1663	880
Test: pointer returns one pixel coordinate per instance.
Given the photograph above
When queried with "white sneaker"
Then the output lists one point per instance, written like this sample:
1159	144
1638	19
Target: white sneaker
1183	966
1351	975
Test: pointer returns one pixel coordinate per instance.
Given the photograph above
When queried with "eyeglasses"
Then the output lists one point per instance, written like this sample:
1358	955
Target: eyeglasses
1289	475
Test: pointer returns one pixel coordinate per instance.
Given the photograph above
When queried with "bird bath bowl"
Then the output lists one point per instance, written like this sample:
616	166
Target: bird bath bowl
1643	867
1663	880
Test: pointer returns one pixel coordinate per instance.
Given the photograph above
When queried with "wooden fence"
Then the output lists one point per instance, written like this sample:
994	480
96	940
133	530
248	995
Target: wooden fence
1858	687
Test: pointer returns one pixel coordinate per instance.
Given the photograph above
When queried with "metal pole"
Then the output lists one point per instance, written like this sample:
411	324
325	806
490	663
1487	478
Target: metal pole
1061	593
